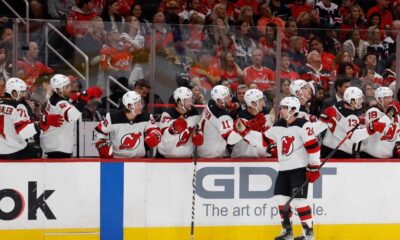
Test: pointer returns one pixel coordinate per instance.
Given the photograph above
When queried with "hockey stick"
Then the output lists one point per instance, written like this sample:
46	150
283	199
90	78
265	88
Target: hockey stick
195	156
286	218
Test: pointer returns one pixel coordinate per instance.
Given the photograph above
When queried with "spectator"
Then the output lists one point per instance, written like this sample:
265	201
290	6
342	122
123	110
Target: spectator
239	98
243	43
257	73
328	59
303	22
124	7
59	9
382	8
266	18
341	84
7	39
198	97
136	11
79	17
331	43
219	37
346	70
231	72
111	17
29	69
196	34
314	71
203	74
267	42
291	31
370	60
296	54
247	15
232	11
132	34
328	13
143	88
355	20
299	6
164	37
389	74
369	90
5	66
355	46
280	9
285	87
251	3
115	58
374	42
286	71
218	12
369	76
389	42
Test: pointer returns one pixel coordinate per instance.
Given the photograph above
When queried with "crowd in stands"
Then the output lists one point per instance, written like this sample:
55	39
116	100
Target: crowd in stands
210	42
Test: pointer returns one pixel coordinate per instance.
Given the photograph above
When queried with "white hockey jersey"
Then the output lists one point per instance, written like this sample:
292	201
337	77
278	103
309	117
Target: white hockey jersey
296	144
217	128
380	145
15	126
127	136
253	144
177	145
345	121
60	139
318	126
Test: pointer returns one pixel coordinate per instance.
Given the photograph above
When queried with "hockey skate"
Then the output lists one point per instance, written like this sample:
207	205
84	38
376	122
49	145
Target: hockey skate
287	233
308	233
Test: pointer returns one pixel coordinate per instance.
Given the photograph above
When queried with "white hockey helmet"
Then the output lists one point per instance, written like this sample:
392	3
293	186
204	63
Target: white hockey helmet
297	85
16	84
130	99
58	81
382	92
291	103
354	93
220	92
182	93
253	95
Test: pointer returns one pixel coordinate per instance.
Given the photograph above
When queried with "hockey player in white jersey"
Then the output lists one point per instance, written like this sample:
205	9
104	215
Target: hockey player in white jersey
251	124
342	118
131	130
381	145
57	142
302	90
177	126
216	125
16	126
299	159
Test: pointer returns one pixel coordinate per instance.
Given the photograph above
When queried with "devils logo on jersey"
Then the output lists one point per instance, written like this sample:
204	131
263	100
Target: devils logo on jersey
390	133
184	137
130	141
287	145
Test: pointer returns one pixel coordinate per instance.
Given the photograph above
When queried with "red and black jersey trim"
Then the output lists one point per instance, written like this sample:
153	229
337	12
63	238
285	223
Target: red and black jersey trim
304	213
312	146
21	125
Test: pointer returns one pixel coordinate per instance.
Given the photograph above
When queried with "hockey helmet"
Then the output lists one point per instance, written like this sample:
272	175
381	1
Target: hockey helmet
130	99
382	92
253	95
297	85
59	81
16	84
354	93
220	92
291	103
182	93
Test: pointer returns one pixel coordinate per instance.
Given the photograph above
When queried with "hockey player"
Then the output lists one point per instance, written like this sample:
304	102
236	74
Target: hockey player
177	126
343	117
57	142
382	145
302	90
130	130
299	159
216	125
16	126
251	124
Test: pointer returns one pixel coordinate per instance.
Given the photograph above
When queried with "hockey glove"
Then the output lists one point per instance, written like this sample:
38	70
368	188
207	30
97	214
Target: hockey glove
197	139
51	120
328	117
153	138
376	127
258	123
104	149
178	126
232	105
312	173
396	150
313	118
240	127
362	119
272	150
393	109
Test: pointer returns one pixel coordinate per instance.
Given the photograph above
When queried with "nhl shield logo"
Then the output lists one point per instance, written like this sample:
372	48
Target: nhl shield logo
287	145
130	141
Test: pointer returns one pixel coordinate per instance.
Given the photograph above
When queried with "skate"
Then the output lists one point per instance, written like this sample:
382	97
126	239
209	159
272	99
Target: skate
287	233
308	233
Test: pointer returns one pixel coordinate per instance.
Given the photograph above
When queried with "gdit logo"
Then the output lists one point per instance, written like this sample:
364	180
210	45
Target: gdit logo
226	185
34	203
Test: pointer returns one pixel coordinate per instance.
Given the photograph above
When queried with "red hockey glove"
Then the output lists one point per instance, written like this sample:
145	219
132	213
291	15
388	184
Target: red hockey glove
104	149
312	173
240	127
232	105
272	150
393	108
178	126
396	150
362	119
153	138
313	118
197	139
376	127
328	115
258	123
51	120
